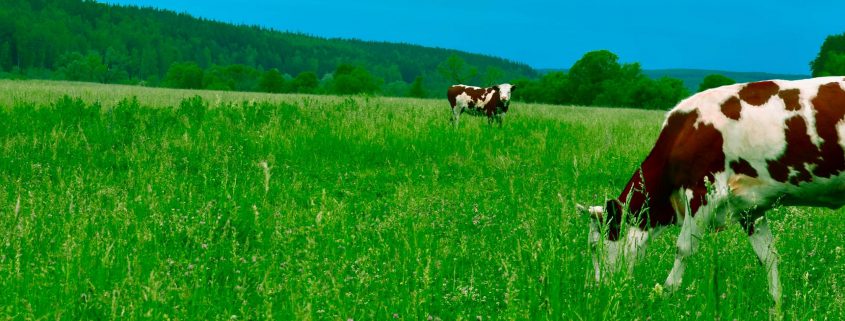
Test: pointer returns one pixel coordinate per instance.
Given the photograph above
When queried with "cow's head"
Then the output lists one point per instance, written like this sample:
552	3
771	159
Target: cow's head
606	245
505	92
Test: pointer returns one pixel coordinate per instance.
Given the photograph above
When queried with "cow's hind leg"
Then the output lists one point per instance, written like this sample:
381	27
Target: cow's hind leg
456	115
762	242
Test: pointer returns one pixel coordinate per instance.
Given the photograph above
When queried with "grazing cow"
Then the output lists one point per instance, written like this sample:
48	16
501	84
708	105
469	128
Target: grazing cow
491	101
731	152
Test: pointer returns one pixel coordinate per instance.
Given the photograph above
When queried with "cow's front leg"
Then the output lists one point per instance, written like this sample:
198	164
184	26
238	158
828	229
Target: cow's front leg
762	242
691	231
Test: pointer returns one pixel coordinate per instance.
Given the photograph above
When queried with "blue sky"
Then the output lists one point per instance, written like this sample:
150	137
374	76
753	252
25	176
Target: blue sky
770	36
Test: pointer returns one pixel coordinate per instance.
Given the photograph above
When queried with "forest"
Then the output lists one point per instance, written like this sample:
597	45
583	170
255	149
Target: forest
81	40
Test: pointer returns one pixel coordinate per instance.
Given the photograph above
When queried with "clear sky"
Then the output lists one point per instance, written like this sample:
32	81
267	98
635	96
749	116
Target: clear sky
758	35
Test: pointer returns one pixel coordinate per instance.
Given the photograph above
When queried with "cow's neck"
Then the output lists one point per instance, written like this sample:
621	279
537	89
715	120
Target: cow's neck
647	194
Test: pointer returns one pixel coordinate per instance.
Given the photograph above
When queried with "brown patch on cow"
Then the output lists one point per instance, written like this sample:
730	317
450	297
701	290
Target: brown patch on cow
683	157
741	166
800	151
758	93
830	109
731	108
790	98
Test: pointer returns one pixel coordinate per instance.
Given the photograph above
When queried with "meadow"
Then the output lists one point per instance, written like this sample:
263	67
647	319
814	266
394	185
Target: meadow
132	203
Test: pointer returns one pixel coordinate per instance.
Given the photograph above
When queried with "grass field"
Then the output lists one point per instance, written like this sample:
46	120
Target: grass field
135	203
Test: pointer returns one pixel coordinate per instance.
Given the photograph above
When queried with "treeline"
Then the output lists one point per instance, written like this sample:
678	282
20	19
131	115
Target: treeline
88	41
344	80
598	79
85	40
830	60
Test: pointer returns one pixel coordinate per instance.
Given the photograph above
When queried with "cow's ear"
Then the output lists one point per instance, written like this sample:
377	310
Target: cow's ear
513	87
496	87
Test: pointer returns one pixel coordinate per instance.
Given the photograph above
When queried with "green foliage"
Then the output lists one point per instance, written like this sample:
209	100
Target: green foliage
588	75
186	75
456	70
830	61
417	88
395	89
663	93
598	79
348	79
232	77
834	64
552	88
713	81
77	67
493	76
272	81
305	82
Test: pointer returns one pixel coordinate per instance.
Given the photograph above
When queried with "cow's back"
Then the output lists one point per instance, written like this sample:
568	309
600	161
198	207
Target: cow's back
763	141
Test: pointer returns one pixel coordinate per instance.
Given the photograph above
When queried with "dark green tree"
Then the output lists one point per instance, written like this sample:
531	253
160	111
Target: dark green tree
663	93
829	60
417	88
493	76
713	81
216	78
185	75
456	70
89	67
551	88
834	64
272	81
349	79
243	77
305	82
588	75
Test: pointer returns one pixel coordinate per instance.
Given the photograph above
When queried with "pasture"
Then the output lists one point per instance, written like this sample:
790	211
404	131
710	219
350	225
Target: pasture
134	203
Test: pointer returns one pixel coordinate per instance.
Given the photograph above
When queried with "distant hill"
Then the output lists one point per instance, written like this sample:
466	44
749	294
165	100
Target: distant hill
127	44
693	77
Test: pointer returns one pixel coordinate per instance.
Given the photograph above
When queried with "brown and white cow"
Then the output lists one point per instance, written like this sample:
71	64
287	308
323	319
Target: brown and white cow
491	101
731	152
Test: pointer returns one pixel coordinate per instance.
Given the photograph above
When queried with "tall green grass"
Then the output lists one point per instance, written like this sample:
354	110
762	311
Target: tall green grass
133	203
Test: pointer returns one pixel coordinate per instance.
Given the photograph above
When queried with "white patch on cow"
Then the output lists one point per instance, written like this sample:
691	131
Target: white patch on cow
485	99
758	135
462	100
840	130
805	97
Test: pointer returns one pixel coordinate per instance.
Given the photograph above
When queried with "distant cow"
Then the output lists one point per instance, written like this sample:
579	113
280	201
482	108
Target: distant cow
731	152
491	101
